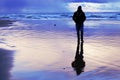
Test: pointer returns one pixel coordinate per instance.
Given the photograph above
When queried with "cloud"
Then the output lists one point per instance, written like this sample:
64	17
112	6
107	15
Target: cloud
95	7
95	1
37	6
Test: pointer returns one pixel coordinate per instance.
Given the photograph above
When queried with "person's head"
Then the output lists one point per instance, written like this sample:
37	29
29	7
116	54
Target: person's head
79	8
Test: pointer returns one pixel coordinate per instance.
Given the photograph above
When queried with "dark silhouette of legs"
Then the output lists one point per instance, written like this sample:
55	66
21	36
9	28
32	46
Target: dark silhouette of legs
78	34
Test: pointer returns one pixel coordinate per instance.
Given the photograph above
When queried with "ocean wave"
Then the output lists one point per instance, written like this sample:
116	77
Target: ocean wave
47	16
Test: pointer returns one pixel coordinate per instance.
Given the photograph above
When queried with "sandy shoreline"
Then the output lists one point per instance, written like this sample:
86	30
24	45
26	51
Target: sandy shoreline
46	48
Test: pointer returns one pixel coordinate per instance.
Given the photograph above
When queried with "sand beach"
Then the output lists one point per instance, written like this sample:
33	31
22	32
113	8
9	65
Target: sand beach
45	49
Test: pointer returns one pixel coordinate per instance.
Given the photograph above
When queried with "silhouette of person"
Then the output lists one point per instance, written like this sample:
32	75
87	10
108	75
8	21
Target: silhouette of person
79	18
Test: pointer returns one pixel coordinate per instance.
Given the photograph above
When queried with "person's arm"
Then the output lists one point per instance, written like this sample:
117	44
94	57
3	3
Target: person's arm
74	17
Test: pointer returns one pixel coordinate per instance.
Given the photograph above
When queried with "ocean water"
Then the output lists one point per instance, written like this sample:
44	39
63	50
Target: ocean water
49	16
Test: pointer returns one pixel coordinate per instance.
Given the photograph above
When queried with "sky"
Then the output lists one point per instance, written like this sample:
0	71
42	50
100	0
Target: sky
95	1
38	6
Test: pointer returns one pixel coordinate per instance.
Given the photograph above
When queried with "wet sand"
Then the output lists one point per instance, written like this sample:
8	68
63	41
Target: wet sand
45	49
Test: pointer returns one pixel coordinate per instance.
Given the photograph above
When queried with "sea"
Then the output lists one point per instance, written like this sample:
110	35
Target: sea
55	16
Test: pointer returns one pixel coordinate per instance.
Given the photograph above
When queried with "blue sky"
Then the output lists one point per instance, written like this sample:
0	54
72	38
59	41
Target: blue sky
58	5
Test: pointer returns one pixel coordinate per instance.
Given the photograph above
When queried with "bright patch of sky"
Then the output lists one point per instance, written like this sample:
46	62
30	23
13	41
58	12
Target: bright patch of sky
95	1
95	7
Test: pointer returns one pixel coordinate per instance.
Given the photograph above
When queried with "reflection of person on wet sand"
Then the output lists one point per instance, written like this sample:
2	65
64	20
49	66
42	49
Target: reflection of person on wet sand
79	18
78	64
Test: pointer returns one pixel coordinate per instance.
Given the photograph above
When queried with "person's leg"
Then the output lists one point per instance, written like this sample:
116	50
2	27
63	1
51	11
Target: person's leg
78	34
82	33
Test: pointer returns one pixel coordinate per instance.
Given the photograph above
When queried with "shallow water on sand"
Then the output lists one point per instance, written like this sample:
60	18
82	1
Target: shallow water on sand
45	49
